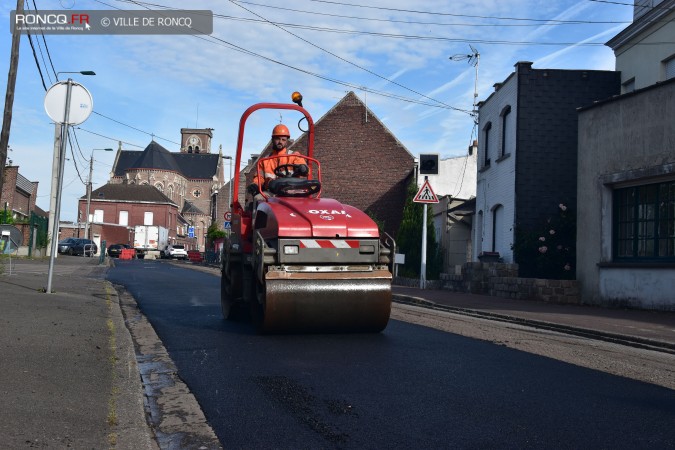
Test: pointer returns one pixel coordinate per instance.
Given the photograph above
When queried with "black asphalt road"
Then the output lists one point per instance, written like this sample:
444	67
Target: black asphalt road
407	387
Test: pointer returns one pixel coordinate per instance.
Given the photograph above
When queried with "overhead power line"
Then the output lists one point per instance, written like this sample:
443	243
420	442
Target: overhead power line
536	22
435	13
349	62
108	137
232	46
134	128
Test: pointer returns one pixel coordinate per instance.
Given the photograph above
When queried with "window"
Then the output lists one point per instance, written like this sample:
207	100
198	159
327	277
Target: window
486	139
479	233
669	68
497	213
124	218
98	216
506	132
159	187
148	218
644	222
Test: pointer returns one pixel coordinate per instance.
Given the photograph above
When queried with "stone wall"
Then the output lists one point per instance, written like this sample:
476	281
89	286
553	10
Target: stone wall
501	280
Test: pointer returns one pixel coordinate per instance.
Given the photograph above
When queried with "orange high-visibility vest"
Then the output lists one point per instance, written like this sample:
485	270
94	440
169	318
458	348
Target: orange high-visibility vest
269	166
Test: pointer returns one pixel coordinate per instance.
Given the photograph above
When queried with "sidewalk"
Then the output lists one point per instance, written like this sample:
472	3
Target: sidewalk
635	325
69	376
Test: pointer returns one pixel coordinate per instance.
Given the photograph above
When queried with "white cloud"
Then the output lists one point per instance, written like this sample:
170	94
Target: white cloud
156	84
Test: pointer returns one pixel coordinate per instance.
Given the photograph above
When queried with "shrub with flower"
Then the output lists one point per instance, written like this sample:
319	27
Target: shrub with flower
549	249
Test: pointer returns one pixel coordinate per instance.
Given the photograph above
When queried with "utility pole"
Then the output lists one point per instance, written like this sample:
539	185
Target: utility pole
89	187
91	172
9	96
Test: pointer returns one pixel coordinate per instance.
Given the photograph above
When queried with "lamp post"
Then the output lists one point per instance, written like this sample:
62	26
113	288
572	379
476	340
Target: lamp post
91	170
58	136
81	72
53	97
229	198
214	209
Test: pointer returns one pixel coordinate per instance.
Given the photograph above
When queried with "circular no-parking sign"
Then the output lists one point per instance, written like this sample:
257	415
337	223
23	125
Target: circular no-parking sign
81	103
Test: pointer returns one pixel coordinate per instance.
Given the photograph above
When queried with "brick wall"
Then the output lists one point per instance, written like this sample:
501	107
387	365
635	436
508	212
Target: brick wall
546	170
501	280
362	163
9	187
163	215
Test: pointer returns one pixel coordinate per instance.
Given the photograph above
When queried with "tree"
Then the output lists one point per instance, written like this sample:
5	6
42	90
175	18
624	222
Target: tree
409	239
214	232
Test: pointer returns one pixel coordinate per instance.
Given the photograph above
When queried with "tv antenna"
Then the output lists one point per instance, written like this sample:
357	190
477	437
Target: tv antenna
473	58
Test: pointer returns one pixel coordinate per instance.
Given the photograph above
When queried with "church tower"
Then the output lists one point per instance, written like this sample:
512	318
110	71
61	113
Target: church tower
195	140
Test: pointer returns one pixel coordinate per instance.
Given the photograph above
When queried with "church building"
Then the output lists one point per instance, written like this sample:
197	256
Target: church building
189	178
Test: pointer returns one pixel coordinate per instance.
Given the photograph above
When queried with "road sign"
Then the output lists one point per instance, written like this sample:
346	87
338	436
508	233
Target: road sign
81	103
191	232
429	164
425	194
228	216
227	225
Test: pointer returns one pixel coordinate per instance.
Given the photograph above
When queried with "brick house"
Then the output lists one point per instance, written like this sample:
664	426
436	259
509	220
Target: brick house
362	162
18	199
527	152
117	208
18	194
190	179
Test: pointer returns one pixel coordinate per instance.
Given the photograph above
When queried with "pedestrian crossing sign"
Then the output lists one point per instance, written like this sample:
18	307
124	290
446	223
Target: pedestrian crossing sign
425	194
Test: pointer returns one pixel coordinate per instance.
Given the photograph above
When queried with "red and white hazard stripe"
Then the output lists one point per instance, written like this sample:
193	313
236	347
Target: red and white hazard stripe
328	243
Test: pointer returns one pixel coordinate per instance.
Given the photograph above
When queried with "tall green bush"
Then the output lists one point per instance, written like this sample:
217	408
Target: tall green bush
6	217
409	239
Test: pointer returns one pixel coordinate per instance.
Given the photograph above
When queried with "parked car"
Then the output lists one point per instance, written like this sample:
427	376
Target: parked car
115	250
85	247
65	244
174	251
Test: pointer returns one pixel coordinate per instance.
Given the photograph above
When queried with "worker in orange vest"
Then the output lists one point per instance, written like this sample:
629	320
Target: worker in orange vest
280	136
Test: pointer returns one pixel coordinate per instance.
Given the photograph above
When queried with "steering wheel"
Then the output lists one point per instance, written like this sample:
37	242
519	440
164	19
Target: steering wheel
291	170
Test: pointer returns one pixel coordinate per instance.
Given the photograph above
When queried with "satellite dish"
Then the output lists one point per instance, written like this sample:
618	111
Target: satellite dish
11	239
81	103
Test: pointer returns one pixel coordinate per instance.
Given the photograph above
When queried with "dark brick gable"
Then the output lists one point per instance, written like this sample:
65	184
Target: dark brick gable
546	169
362	162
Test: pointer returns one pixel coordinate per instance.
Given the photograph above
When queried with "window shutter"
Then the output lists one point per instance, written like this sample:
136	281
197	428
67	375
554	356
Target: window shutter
670	68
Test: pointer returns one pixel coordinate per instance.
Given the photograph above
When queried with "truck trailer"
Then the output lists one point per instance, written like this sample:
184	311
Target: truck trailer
149	240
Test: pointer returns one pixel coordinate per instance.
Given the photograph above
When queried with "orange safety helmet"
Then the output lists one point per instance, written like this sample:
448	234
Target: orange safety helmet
281	130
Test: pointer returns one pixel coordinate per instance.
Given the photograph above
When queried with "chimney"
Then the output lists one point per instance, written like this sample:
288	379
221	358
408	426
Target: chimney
473	146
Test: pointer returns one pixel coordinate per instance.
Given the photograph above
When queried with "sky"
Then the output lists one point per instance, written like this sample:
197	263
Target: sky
408	61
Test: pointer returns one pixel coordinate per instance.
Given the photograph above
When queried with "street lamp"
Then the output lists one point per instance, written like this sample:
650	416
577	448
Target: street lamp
57	165
229	198
91	170
214	209
81	72
60	141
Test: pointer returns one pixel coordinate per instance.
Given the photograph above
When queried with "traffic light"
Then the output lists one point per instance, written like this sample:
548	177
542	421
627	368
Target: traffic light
429	164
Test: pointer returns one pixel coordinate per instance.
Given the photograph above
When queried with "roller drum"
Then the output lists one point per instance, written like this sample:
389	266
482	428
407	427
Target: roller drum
326	302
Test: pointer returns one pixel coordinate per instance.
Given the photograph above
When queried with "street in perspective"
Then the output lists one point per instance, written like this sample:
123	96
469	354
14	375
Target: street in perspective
451	227
437	378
